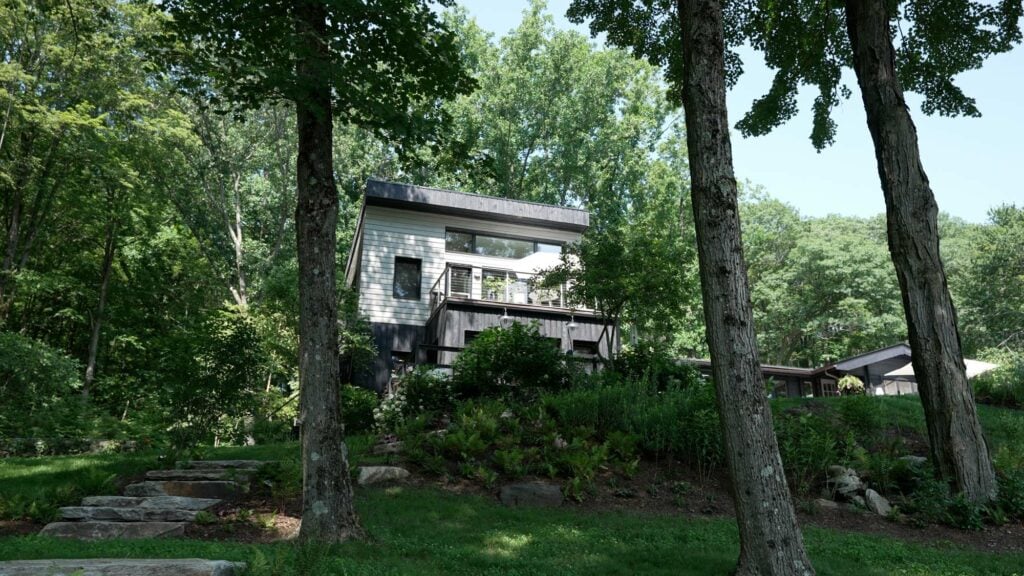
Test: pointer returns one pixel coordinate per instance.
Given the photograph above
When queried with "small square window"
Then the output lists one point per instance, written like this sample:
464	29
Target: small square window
407	278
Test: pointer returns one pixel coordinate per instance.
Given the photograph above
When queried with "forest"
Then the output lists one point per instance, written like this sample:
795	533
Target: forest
149	276
181	184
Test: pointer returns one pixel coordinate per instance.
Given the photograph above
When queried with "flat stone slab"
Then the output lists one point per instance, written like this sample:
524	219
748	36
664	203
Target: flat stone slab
220	489
378	474
123	514
106	530
221	464
172	502
531	494
201	474
121	567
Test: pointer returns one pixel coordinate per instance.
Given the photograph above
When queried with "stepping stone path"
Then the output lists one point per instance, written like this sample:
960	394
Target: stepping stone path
121	567
160	506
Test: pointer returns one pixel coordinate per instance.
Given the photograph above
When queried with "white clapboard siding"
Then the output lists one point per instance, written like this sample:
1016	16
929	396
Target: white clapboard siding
390	232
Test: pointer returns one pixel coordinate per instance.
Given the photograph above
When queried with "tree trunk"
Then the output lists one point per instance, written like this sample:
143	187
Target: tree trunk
328	514
770	540
109	246
958	446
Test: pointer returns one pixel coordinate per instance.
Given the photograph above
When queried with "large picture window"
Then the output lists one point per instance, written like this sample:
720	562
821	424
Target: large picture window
407	278
498	246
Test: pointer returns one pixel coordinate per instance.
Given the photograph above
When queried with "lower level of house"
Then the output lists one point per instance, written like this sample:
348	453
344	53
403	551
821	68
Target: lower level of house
455	322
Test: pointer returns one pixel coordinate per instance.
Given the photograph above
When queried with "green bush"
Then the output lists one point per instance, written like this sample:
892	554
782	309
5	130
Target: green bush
357	407
652	363
38	390
1003	386
422	392
514	361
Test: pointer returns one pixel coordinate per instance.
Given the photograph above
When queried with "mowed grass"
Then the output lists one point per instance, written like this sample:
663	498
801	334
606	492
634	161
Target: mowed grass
424	531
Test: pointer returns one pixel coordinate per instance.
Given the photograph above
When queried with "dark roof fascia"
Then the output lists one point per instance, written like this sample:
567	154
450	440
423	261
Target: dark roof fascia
437	201
847	364
355	251
771	369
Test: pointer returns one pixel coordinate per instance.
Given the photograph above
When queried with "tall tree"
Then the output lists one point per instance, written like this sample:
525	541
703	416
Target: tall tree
381	64
689	37
809	44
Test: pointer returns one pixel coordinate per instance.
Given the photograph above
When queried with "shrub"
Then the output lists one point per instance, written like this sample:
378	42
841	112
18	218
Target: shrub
515	360
652	363
850	384
37	389
357	407
1002	386
423	391
809	444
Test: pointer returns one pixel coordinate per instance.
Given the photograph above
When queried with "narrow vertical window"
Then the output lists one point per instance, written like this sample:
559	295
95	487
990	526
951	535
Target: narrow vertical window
407	278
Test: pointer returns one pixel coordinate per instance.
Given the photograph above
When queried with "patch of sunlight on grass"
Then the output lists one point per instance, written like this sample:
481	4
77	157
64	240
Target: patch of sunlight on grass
507	546
393	491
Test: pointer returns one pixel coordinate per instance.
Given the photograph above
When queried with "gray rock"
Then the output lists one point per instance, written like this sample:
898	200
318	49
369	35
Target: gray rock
175	502
204	464
219	489
826	504
106	530
121	567
914	460
124	514
877	503
531	494
239	474
858	500
389	448
844	482
377	474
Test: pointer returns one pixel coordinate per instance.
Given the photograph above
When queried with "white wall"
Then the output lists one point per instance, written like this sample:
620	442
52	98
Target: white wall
390	232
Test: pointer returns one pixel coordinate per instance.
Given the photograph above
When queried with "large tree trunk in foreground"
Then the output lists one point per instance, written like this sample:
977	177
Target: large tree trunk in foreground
328	514
958	446
770	540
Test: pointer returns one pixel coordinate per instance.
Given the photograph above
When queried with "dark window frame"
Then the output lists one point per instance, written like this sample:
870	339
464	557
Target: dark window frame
473	244
419	276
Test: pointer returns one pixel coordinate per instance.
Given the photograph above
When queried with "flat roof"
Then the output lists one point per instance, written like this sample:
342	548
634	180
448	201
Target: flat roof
436	200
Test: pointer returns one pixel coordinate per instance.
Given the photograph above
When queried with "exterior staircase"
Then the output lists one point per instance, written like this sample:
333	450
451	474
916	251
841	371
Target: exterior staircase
160	506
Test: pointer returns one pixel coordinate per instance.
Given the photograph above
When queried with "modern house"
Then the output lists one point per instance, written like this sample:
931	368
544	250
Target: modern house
433	268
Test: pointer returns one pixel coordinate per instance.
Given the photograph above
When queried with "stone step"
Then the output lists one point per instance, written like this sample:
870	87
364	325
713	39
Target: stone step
123	514
105	530
220	489
222	464
173	502
122	567
239	474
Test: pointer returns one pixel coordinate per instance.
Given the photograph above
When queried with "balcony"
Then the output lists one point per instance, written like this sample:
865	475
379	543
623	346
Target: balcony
466	283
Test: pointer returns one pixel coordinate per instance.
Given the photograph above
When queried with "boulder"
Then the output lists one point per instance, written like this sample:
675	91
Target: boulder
105	530
175	502
369	475
844	482
125	514
122	567
877	503
825	504
531	494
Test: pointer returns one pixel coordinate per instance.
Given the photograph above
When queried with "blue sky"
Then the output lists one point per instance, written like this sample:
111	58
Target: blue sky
972	163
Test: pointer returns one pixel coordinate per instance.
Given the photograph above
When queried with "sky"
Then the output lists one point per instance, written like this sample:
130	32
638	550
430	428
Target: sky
971	162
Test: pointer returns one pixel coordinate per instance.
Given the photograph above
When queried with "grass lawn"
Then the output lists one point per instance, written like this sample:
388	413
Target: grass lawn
424	531
427	531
